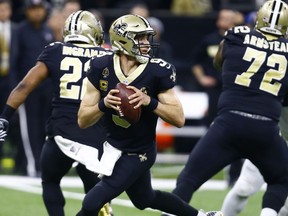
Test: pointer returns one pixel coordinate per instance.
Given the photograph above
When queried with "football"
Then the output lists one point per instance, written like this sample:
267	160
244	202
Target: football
127	110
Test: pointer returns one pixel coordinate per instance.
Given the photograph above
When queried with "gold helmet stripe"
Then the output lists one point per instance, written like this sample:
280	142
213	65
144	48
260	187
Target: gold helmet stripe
276	8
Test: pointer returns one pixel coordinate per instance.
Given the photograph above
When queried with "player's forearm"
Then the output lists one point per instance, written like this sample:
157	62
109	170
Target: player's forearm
88	115
172	114
32	79
198	72
19	95
15	99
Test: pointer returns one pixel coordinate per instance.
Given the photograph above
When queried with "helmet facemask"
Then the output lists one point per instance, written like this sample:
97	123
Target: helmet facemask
138	45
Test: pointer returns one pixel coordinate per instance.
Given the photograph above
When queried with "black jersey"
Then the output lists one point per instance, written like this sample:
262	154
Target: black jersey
152	78
67	65
258	80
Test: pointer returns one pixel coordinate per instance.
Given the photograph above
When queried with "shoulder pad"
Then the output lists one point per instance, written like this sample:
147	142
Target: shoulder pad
101	60
161	64
54	44
163	68
239	30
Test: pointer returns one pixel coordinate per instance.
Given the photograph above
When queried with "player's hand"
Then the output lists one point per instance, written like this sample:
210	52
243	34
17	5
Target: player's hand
208	81
111	101
139	98
4	125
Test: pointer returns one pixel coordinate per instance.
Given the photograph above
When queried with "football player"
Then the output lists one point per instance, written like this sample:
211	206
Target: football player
130	150
254	73
66	64
250	180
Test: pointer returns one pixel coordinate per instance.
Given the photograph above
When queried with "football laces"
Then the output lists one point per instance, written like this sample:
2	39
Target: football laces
120	112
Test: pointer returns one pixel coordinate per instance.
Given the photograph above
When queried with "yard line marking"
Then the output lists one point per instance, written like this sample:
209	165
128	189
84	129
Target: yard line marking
167	184
33	185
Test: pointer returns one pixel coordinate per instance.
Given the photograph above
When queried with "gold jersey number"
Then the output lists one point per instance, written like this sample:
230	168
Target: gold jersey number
277	64
68	82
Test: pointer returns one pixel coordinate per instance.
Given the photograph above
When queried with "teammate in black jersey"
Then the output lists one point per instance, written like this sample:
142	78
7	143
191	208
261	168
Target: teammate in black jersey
66	64
255	79
130	150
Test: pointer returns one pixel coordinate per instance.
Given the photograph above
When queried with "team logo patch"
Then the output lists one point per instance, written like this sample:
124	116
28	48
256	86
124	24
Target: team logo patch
173	76
103	85
142	157
105	72
144	90
75	149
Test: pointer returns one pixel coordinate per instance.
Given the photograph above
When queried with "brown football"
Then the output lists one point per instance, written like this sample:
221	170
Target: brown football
127	110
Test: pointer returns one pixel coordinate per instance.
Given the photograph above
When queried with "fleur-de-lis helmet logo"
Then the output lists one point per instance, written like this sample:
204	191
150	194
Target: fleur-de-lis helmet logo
119	29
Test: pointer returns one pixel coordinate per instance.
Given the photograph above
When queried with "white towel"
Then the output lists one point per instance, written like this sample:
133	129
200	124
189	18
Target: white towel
88	155
108	160
84	154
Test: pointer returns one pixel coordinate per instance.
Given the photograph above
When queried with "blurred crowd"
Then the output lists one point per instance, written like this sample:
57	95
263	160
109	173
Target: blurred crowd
29	25
189	7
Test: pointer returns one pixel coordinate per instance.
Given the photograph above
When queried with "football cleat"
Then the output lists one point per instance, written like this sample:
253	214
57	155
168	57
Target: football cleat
214	213
104	211
111	211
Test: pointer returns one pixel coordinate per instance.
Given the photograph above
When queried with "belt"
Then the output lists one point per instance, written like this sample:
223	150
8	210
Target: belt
252	116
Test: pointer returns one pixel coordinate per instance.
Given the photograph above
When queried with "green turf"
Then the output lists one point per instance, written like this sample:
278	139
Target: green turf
212	200
17	203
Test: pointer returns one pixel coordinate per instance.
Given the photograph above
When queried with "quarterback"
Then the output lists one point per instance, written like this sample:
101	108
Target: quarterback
130	149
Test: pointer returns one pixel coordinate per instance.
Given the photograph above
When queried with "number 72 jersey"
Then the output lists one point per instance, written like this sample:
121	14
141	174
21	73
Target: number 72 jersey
254	72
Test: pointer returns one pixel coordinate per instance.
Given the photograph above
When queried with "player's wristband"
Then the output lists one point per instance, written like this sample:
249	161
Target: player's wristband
102	107
7	113
153	104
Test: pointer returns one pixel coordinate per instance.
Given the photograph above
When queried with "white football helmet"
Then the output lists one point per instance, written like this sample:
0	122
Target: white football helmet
123	32
82	26
272	18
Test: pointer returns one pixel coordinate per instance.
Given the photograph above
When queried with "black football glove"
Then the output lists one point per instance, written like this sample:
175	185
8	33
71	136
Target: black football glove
4	125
